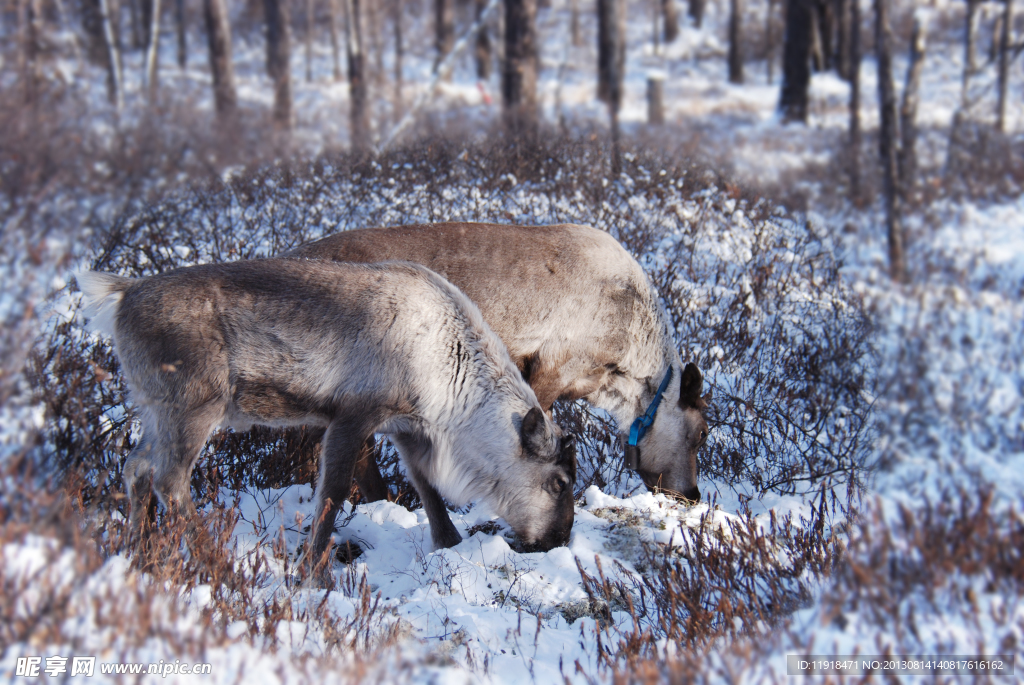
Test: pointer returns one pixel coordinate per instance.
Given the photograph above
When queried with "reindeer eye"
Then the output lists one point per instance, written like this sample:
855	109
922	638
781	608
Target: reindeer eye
702	437
557	486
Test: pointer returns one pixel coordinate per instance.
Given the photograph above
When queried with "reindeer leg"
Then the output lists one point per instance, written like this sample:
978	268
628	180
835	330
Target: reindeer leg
416	450
137	476
442	530
342	443
179	440
371	483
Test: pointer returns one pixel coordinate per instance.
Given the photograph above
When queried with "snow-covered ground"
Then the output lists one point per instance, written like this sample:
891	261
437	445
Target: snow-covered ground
948	414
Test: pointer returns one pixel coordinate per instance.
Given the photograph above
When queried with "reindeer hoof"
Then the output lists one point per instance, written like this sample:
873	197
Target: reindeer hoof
446	538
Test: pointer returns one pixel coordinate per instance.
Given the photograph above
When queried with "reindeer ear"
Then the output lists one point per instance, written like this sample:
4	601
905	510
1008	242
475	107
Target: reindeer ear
689	386
534	433
567	457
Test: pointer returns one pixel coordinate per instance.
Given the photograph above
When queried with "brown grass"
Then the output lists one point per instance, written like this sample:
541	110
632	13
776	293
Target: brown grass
76	581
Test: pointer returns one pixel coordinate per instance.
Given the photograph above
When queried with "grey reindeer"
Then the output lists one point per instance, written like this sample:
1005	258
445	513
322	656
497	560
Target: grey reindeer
580	318
358	349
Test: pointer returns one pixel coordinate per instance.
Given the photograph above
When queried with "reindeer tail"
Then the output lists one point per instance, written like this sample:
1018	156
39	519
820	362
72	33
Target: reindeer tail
101	297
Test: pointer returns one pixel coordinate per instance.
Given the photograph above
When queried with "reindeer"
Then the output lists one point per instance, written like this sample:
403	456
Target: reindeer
580	319
357	349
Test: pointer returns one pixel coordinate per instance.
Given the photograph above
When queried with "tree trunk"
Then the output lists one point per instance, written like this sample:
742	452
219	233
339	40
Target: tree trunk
908	112
482	50
499	44
605	49
670	20
855	100
842	12
826	33
574	23
179	17
1005	48
377	41
115	91
218	34
519	71
92	27
888	137
397	19
769	39
969	34
276	14
133	18
696	11
655	15
817	53
153	49
796	72
997	32
444	30
611	63
360	126
655	99
332	10
611	54
146	22
736	41
309	41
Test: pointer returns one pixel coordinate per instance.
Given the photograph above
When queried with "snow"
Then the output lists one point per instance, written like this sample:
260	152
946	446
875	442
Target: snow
482	611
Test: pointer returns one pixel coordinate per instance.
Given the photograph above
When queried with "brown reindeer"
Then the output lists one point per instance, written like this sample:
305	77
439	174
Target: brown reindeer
580	319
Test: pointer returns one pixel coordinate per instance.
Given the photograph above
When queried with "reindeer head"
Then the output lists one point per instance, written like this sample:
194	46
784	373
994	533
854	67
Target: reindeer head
537	489
668	452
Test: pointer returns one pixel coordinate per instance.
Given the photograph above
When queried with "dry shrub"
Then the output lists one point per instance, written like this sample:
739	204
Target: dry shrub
981	162
954	561
725	584
76	582
906	565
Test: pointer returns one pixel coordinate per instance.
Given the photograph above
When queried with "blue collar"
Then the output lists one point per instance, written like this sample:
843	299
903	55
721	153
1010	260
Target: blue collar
642	423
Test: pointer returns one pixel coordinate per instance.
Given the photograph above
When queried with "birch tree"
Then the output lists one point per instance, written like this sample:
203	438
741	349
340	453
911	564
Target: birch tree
182	35
358	114
332	12
115	91
611	64
854	66
888	136
278	51
519	73
218	35
908	110
309	41
670	19
444	29
482	48
152	49
396	19
796	69
1005	55
735	41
